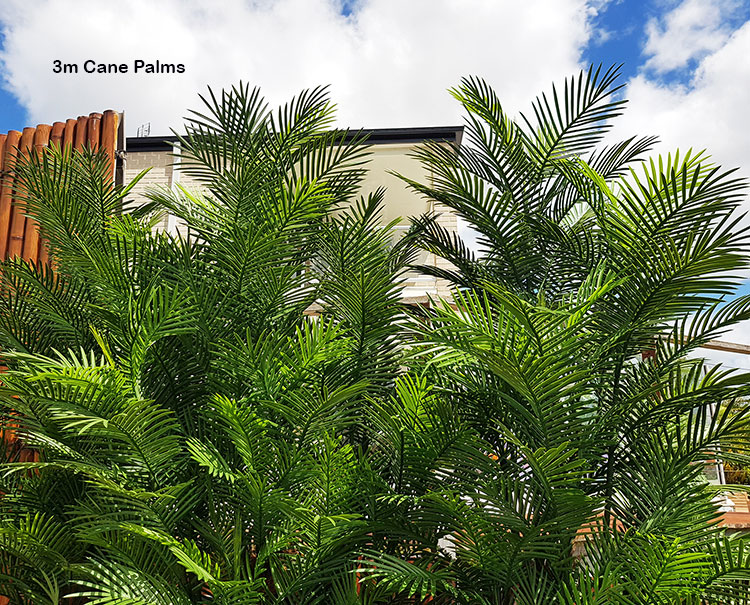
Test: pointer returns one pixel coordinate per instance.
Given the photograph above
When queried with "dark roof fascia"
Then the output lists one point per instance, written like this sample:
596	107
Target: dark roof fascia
150	143
447	134
375	136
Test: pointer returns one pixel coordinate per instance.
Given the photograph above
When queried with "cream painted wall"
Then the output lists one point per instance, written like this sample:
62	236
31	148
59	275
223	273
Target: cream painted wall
400	202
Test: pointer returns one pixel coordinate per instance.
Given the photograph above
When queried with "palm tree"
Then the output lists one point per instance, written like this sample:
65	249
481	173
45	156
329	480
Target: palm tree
196	430
202	438
566	351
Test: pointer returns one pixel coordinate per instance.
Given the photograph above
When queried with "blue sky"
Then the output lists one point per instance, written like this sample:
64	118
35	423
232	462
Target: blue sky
621	35
12	115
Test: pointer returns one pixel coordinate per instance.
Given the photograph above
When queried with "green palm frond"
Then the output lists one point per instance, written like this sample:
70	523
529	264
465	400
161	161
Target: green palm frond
70	193
572	121
247	412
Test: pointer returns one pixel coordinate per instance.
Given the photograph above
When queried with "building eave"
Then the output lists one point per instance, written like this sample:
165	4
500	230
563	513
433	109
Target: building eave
374	136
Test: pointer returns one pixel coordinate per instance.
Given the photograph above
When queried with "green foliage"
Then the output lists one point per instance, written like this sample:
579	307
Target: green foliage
200	436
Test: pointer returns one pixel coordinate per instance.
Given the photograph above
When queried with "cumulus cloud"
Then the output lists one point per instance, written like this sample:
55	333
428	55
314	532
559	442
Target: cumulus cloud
708	110
389	62
691	30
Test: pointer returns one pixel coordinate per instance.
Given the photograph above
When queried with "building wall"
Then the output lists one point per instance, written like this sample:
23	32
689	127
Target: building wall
400	202
160	175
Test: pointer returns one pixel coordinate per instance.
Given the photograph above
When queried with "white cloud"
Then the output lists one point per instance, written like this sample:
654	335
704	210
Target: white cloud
709	113
389	63
691	30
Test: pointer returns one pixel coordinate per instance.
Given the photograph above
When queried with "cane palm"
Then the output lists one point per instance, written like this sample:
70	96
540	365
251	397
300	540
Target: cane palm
201	438
596	276
196	431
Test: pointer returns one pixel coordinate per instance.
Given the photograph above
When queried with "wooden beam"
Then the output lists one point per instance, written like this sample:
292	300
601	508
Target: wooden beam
729	347
10	152
31	237
18	216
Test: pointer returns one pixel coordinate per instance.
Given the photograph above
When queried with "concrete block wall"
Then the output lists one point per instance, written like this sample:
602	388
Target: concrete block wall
449	221
159	175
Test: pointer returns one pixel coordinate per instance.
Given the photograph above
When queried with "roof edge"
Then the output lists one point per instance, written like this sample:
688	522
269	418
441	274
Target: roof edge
375	136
